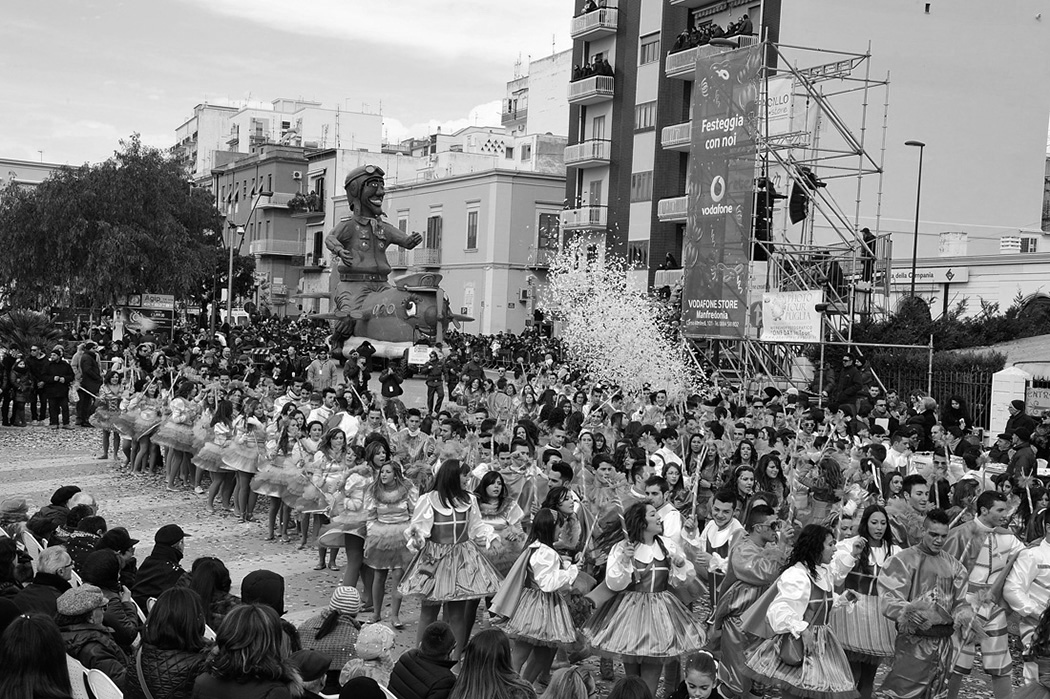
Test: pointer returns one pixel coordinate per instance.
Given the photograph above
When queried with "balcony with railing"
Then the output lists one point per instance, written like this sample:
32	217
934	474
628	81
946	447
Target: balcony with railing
276	248
397	257
589	153
596	23
668	277
515	116
682	64
673	210
584	218
427	257
541	258
592	90
677	136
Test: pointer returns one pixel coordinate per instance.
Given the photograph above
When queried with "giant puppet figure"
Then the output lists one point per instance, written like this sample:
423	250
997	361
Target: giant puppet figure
367	307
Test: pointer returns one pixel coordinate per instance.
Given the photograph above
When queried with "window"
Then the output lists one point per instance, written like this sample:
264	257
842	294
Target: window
638	254
642	186
432	240
598	128
472	230
645	116
550	232
1028	244
509	152
318	187
402	224
267	229
269	183
526	152
650	49
318	249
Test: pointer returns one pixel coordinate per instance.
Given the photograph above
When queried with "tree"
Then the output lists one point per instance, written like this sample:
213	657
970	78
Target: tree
25	329
613	330
129	225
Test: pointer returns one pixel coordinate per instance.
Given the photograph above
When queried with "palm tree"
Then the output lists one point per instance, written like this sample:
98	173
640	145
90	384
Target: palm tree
22	329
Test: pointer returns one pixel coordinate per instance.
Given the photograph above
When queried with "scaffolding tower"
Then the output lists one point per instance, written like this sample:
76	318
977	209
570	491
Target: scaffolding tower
802	151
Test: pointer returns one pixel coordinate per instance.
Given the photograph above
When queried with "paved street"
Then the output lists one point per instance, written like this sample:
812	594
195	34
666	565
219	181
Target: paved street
34	461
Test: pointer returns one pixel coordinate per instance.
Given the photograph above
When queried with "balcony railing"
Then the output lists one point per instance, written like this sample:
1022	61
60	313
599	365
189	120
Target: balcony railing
588	153
515	115
592	90
595	24
397	257
584	217
427	257
541	258
276	248
675	209
667	277
677	137
682	64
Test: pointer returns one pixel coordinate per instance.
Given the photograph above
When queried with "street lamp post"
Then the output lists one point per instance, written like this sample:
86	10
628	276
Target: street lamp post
229	274
918	195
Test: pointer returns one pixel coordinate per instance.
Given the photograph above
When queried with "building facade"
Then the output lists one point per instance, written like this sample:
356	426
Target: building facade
27	173
630	132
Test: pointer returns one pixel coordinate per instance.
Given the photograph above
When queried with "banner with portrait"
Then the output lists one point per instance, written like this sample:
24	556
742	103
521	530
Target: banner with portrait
720	188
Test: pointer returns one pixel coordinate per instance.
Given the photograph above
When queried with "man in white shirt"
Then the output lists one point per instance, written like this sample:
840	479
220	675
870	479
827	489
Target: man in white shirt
373	424
675	528
325	410
898	457
412	444
293	395
1027	589
719	535
665	454
342	419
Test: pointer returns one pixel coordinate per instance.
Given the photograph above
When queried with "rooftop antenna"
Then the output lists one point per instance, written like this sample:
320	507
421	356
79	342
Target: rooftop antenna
517	67
552	44
41	155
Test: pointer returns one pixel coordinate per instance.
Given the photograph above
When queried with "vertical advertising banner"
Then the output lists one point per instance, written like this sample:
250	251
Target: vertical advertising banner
720	187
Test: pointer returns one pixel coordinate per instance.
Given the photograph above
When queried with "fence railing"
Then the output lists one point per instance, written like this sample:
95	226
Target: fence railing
975	388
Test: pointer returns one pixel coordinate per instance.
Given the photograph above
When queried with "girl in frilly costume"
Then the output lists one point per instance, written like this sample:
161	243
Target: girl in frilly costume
145	409
389	504
245	455
107	410
314	492
284	456
500	511
449	568
176	433
210	457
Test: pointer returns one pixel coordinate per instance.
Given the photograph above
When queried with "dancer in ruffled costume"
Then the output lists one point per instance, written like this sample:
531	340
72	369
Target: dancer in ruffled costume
796	612
538	619
146	408
449	568
389	504
1039	653
504	515
865	633
106	411
644	624
176	433
315	492
284	457
244	456
210	457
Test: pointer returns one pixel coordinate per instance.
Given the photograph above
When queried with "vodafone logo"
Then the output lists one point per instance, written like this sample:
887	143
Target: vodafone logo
718	188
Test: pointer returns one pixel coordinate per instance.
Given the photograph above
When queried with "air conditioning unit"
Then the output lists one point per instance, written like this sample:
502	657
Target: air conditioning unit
297	175
524	294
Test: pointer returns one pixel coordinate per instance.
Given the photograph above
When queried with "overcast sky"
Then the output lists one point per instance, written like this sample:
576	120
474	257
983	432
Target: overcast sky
79	75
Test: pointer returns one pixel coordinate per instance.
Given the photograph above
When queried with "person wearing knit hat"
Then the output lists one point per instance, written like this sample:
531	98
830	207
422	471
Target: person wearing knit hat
374	644
1019	418
80	614
14	513
334	632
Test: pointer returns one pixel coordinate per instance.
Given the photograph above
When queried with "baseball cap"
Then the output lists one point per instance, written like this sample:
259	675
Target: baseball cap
169	535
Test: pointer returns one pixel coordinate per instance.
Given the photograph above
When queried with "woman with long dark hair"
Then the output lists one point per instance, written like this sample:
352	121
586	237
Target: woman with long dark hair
644	625
209	458
176	433
32	660
769	477
349	517
486	670
449	568
866	635
282	466
795	613
210	579
539	620
322	481
500	510
170	657
563	502
250	659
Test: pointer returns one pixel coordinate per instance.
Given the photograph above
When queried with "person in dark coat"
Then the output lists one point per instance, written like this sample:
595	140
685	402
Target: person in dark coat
1022	461
119	540
848	384
162	569
312	666
173	651
55	387
90	383
50	517
426	672
1019	418
54	568
37	362
80	612
102	569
